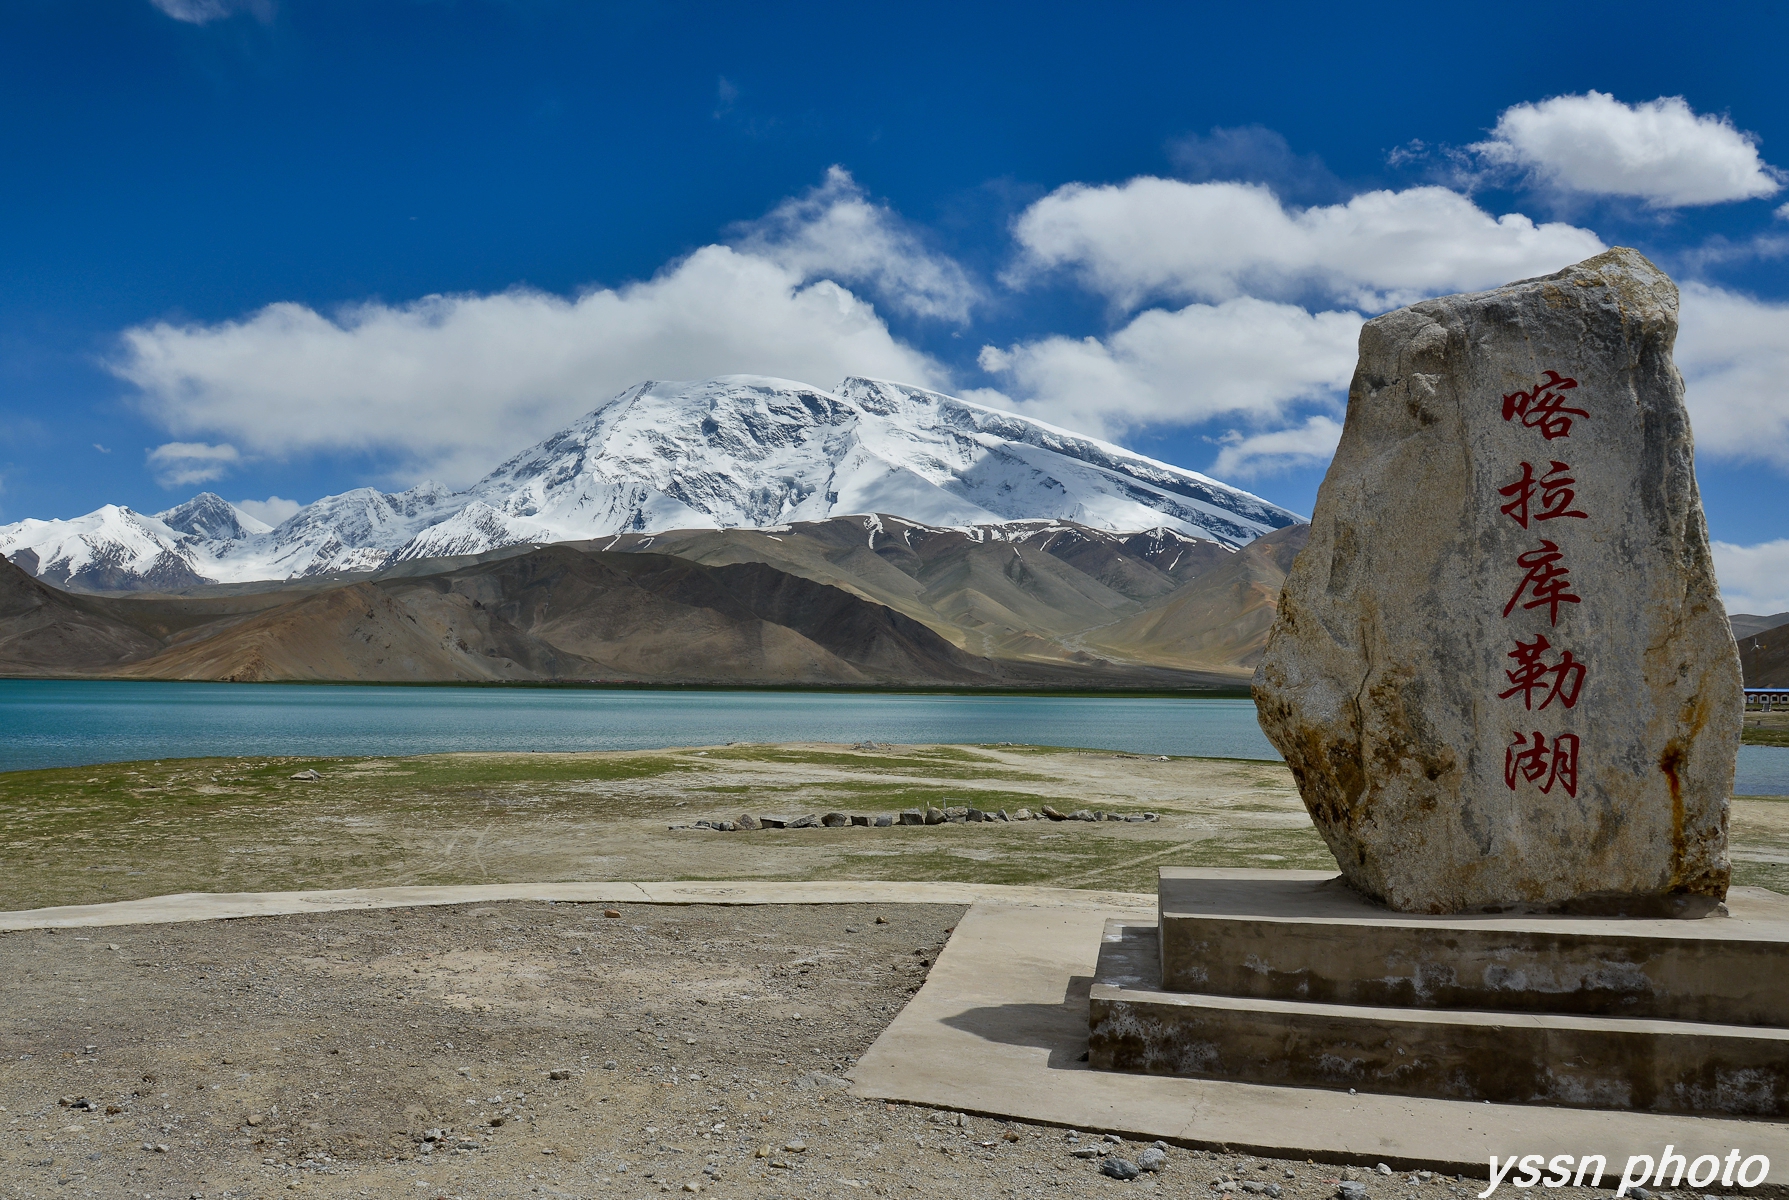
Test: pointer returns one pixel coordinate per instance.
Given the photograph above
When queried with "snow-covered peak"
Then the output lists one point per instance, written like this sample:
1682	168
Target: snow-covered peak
736	451
110	549
210	517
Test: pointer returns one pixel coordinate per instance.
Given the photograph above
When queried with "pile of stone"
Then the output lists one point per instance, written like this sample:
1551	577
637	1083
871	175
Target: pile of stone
929	815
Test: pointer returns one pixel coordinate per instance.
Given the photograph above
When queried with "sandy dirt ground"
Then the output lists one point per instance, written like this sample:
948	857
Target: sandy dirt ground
522	1049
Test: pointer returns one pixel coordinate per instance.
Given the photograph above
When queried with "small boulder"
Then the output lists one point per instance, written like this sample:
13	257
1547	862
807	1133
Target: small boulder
858	819
884	820
935	816
836	820
1153	1159
1119	1168
913	816
308	776
1052	814
747	821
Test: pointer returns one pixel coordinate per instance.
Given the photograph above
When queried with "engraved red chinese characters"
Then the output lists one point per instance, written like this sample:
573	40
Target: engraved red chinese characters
1545	583
1534	759
1556	495
1544	407
1560	681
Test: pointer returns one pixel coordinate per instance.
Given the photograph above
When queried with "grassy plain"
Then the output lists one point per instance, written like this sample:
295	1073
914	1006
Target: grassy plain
1766	729
129	830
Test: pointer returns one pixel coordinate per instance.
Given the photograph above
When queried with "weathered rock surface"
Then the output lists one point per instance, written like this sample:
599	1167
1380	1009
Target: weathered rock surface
1500	670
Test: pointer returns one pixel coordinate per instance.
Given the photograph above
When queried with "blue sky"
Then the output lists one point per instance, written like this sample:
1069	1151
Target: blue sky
282	248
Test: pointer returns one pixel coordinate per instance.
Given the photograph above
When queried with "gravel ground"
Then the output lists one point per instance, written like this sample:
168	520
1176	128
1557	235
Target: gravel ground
521	1049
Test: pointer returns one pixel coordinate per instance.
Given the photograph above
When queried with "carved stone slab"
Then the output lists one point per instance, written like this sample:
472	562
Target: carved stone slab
1500	671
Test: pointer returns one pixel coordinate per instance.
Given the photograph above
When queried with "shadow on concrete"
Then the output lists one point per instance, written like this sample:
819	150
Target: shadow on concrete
1060	1028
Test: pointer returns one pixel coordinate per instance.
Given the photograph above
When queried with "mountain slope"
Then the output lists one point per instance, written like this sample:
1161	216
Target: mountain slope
1017	591
553	613
1746	625
1218	621
1764	658
739	451
46	631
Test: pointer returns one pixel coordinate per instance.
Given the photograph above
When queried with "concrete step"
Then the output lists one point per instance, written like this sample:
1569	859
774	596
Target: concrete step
1304	936
1502	1057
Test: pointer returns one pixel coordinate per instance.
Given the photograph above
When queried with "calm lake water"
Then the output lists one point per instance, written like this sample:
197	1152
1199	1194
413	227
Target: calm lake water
55	723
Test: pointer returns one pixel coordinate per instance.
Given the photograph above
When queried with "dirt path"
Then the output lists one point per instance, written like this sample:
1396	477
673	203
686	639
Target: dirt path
413	1053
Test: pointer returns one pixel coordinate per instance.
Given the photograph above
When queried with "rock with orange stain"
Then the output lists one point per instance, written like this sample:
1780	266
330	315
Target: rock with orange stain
1500	671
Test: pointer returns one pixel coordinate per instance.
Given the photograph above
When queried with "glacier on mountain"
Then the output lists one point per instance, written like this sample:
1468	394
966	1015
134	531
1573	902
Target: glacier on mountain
721	453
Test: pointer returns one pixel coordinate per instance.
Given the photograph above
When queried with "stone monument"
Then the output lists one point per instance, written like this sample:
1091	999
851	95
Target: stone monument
1501	672
1503	680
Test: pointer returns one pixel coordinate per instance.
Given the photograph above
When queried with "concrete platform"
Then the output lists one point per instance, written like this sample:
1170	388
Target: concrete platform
217	906
1508	1057
1002	1023
1305	936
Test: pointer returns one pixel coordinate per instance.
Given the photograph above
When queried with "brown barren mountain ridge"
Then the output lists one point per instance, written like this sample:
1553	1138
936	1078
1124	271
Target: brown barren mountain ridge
1764	658
845	602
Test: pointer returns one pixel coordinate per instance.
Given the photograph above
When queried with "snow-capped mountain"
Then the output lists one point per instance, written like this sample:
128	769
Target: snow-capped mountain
738	451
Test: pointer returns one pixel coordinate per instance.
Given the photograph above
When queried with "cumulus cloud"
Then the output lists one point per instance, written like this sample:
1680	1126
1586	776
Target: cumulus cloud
836	232
450	384
1661	152
1277	450
179	464
1161	239
1754	579
203	12
1733	351
1243	357
271	511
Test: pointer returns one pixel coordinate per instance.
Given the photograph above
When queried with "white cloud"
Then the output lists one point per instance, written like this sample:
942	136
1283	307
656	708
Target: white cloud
1264	453
1783	213
835	232
1244	357
1152	239
451	384
1733	351
272	510
1661	152
178	464
1754	579
203	12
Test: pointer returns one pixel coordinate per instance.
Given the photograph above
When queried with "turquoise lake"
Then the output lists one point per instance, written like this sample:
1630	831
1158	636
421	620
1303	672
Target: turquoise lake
57	723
